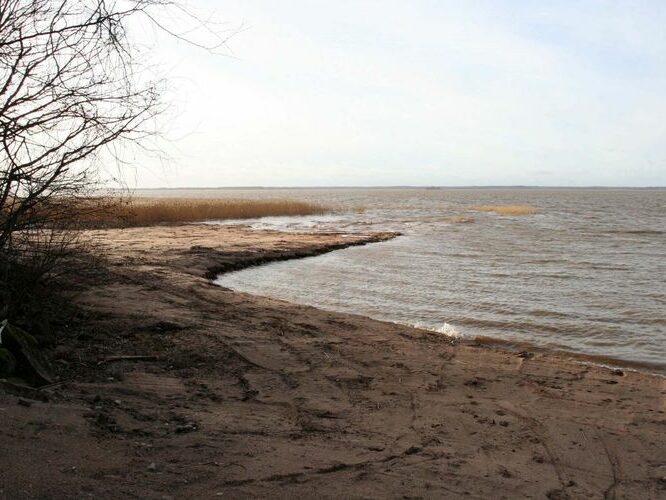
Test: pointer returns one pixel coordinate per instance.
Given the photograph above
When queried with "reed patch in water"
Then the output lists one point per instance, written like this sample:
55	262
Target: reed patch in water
507	209
151	211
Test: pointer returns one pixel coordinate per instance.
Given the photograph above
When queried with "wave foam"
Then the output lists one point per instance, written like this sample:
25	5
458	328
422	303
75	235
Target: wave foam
446	328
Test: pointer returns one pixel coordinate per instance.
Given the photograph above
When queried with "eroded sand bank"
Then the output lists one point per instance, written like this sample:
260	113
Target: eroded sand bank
243	396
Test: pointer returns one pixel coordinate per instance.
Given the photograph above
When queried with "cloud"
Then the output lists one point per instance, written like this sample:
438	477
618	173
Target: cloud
379	93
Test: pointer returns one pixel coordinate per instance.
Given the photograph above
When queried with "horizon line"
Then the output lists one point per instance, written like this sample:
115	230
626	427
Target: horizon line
399	186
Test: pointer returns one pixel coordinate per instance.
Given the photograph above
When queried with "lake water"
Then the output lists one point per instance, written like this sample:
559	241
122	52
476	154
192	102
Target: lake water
586	273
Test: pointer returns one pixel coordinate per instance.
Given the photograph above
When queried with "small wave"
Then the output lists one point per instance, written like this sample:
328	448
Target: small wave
602	360
512	325
446	328
635	231
548	261
545	313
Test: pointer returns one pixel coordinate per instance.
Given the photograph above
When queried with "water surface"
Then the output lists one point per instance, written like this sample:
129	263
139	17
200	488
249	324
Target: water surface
586	274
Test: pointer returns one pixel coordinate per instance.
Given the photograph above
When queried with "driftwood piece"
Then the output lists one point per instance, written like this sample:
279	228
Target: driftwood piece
30	361
112	359
7	362
23	391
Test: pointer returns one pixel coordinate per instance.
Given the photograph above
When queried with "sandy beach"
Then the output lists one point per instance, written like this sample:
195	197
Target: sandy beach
174	387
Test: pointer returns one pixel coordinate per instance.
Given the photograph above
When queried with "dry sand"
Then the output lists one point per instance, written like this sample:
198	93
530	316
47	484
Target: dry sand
243	396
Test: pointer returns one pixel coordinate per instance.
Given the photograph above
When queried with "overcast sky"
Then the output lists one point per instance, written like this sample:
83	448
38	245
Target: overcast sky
376	93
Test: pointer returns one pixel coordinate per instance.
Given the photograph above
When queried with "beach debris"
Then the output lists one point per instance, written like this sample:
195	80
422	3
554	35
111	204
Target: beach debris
23	391
7	362
185	428
475	382
504	472
2	327
112	359
152	467
557	494
30	362
24	402
618	372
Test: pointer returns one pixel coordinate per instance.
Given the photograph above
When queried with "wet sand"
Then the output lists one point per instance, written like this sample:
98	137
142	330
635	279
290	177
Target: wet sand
240	396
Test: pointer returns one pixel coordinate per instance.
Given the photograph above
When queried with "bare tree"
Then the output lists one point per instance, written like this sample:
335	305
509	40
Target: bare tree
71	90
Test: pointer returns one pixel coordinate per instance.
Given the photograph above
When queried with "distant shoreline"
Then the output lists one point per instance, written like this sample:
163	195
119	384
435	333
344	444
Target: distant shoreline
517	187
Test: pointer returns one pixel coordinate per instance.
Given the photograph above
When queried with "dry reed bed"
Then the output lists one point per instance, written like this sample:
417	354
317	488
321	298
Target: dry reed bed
151	211
507	209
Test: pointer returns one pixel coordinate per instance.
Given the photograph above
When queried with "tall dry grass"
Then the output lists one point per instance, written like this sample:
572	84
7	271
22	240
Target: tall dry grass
151	211
507	209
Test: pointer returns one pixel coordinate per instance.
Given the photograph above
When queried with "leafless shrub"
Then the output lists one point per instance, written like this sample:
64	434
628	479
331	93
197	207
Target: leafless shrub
73	90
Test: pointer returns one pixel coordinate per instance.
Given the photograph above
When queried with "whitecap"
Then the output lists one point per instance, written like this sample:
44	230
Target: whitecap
446	328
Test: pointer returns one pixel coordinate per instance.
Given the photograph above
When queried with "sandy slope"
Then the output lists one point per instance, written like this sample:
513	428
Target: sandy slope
248	396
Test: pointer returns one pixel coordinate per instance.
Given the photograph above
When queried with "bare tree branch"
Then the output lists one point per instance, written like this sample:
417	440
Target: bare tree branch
73	86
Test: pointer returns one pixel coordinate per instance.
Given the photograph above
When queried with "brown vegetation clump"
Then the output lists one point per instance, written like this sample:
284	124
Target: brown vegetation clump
151	211
507	209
